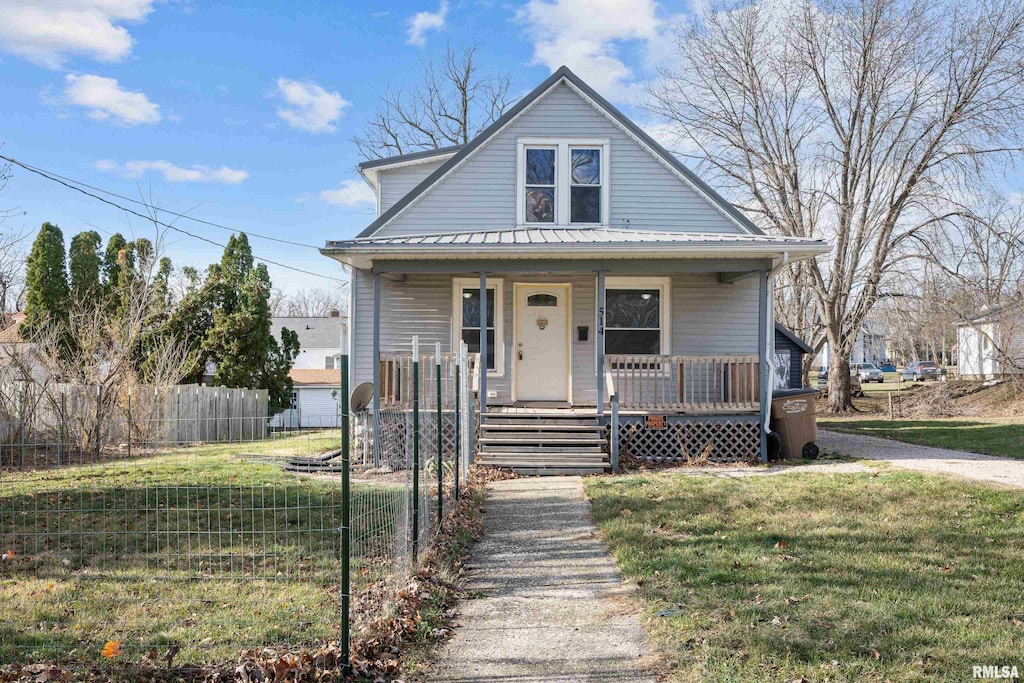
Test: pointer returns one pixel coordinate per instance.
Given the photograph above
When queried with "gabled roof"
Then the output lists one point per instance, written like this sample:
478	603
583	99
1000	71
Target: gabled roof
9	335
992	312
562	74
369	169
315	378
791	336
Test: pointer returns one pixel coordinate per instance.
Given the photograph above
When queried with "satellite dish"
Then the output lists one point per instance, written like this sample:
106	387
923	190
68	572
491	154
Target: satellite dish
361	397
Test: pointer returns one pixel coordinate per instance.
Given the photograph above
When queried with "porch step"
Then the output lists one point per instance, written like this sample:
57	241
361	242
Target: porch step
544	442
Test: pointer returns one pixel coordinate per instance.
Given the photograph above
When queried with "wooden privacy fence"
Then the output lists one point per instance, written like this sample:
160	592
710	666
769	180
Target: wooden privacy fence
691	384
71	414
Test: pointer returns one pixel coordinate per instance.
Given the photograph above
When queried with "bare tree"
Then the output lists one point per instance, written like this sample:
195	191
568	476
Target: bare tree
318	302
451	104
854	120
13	251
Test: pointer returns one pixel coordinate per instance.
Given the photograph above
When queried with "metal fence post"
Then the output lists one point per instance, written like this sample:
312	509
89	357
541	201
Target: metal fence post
415	448
614	436
346	509
99	400
63	413
129	423
458	417
440	435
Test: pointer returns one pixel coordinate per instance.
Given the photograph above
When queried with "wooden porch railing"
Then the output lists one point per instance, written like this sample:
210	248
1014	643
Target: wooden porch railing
686	383
396	376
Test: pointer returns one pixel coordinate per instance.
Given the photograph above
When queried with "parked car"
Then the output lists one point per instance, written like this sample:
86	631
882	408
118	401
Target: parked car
856	388
921	370
869	372
888	367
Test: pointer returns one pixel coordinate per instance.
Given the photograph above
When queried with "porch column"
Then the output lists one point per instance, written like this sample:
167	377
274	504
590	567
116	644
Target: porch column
376	368
762	343
483	343
599	340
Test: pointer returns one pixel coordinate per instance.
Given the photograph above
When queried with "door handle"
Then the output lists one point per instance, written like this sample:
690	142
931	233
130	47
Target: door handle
520	355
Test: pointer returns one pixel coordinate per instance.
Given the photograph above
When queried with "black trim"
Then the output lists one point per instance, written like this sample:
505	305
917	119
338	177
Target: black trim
788	334
562	73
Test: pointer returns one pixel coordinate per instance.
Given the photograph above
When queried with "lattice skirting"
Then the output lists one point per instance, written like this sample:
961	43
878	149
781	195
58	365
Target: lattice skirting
715	439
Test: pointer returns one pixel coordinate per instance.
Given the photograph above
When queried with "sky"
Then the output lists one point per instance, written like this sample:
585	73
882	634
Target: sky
243	114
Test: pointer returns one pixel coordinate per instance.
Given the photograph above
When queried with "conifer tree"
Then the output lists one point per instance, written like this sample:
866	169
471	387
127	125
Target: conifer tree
46	281
84	262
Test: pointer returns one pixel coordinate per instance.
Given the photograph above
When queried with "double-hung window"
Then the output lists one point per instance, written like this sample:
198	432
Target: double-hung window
562	181
636	316
468	317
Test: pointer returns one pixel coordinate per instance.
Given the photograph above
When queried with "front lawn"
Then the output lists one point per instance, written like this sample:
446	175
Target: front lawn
987	435
195	546
894	576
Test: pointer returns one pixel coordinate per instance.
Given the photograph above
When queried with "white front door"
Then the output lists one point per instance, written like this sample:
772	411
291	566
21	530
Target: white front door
541	359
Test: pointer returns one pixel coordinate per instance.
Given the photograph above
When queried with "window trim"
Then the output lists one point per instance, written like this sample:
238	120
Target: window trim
664	286
563	178
498	284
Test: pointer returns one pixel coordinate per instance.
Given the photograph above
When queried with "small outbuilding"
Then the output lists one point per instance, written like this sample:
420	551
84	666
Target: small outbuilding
789	358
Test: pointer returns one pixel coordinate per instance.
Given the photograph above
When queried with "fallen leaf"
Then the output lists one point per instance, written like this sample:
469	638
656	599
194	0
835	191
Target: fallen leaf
9	555
875	653
111	649
626	512
782	544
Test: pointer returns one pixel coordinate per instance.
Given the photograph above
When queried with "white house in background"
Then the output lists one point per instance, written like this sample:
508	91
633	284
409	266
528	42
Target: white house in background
870	346
316	370
16	355
982	341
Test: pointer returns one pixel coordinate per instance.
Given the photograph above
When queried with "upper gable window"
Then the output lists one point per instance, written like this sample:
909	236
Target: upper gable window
562	181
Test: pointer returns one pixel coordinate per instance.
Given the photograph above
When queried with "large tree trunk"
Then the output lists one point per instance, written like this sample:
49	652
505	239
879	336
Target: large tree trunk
840	388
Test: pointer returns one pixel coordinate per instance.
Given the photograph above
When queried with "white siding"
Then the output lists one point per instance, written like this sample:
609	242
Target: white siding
397	182
314	359
481	195
707	318
317	408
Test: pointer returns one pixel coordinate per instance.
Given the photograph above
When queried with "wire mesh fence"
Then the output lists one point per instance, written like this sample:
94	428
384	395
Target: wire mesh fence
159	538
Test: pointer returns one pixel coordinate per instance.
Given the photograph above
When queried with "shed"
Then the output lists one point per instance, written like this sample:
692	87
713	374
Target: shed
789	357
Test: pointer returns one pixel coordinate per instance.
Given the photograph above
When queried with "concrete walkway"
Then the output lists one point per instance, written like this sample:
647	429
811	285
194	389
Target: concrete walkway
987	468
546	600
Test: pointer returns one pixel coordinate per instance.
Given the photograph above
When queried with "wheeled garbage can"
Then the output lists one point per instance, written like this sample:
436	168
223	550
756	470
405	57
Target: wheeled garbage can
793	420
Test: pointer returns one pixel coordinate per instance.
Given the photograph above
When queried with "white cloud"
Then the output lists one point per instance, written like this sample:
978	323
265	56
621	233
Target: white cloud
421	22
310	107
350	193
105	100
173	173
49	31
585	35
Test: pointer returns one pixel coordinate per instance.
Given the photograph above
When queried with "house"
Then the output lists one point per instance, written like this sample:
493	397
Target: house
870	346
789	359
590	271
315	371
991	344
18	357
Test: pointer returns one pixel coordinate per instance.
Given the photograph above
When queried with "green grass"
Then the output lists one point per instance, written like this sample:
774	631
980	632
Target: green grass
894	576
195	546
988	435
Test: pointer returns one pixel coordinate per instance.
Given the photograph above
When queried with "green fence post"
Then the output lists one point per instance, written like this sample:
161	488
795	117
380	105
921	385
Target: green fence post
458	416
440	436
63	413
346	518
415	448
129	423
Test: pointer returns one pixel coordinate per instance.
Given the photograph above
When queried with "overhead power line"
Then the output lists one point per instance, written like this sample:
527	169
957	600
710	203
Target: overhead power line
72	184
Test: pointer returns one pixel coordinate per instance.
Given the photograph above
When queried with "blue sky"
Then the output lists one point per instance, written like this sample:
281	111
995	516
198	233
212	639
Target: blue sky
244	115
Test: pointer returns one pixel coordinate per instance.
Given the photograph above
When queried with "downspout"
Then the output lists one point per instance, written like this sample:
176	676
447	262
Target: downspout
770	338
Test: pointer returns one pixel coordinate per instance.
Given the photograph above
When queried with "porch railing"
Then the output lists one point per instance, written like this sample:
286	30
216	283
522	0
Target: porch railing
396	375
686	383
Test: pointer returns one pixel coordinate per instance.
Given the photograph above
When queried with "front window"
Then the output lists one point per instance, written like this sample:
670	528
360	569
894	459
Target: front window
468	318
563	181
636	316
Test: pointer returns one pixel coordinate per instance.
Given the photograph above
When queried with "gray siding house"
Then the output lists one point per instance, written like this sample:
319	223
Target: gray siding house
613	279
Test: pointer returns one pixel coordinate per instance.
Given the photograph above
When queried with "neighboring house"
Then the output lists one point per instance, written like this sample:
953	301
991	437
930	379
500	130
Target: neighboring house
789	359
604	264
16	355
315	371
988	341
870	346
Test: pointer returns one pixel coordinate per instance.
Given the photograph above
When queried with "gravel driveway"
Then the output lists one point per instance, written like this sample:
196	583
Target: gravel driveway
988	468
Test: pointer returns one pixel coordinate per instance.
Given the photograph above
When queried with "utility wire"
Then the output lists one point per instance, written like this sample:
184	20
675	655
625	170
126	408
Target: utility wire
57	176
73	185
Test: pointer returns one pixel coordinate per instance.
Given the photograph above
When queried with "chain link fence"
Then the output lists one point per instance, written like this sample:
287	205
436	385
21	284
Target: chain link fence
163	537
